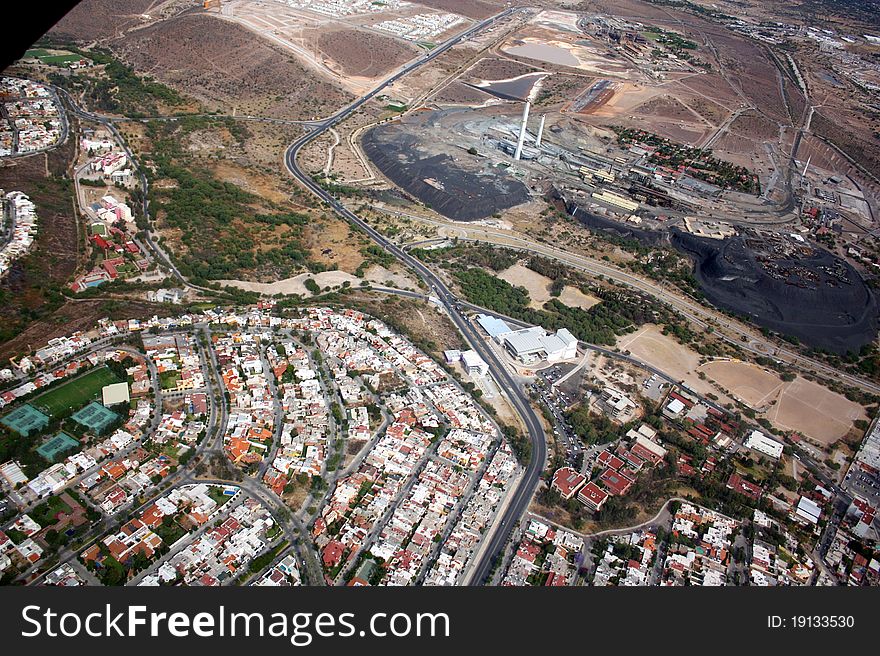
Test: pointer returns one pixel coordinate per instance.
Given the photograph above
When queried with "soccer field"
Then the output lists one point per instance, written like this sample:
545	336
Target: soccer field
72	395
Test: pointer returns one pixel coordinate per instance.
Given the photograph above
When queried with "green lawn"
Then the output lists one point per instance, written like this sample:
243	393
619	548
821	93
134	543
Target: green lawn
170	532
169	379
36	52
60	59
216	493
62	400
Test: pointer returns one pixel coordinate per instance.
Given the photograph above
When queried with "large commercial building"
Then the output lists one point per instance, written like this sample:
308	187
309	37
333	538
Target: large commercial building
530	345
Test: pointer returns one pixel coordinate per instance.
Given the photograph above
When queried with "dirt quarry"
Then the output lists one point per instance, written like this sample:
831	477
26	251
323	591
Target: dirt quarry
225	66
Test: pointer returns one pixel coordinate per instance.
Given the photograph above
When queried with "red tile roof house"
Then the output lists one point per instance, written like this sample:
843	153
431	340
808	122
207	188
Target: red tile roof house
645	454
738	484
567	481
332	554
592	496
608	459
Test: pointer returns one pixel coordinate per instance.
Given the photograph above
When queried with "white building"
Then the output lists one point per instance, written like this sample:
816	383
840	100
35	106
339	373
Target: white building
115	393
474	364
808	510
535	344
763	444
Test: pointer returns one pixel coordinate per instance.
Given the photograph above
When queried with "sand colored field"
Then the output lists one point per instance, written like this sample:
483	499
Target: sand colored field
662	351
651	346
800	405
814	411
296	285
537	285
751	384
574	297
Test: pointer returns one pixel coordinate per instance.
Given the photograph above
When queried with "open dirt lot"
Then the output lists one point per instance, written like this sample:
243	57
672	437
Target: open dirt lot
296	284
537	285
576	298
815	412
650	345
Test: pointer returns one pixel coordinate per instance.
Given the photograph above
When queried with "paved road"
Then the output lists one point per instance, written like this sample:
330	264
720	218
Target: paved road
731	330
447	299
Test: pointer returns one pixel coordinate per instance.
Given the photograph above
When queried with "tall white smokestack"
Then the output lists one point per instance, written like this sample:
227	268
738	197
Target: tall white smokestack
540	131
522	131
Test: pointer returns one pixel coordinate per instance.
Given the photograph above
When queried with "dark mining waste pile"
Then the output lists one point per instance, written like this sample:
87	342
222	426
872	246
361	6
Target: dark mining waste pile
616	228
436	179
820	299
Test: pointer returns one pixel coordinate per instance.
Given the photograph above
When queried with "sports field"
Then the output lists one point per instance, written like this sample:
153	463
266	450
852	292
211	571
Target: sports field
751	384
47	57
815	411
62	400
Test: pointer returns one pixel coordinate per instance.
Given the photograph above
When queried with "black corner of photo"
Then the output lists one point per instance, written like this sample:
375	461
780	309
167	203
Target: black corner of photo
32	20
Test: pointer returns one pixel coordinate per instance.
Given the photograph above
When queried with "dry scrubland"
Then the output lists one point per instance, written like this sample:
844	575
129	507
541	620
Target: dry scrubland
99	19
226	67
471	8
364	54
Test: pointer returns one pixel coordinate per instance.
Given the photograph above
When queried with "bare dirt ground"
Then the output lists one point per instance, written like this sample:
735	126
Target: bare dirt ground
400	278
224	66
332	242
496	68
650	345
98	19
754	386
560	88
815	412
296	284
576	298
362	53
537	285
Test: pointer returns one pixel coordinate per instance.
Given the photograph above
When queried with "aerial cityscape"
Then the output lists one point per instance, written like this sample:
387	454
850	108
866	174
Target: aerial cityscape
442	293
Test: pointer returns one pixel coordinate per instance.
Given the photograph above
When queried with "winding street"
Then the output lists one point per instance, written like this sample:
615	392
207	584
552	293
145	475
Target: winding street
529	481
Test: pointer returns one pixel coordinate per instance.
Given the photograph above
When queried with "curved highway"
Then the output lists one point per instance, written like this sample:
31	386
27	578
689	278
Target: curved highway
529	481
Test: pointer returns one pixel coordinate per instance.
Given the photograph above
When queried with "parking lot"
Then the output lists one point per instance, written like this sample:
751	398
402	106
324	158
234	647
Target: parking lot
557	401
858	482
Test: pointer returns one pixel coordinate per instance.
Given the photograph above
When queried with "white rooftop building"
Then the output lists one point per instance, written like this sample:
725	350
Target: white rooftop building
474	364
808	510
763	444
535	344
